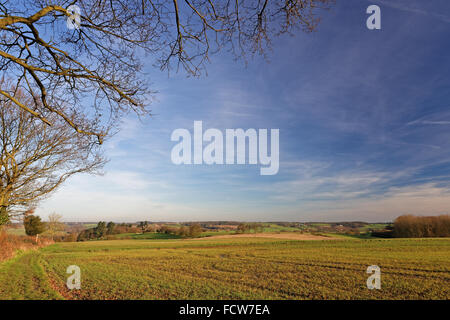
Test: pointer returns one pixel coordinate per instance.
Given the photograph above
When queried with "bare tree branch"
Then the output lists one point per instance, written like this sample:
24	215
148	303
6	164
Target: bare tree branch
35	159
95	72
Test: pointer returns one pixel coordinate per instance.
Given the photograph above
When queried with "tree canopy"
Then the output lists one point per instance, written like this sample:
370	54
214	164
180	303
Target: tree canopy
33	225
96	69
35	159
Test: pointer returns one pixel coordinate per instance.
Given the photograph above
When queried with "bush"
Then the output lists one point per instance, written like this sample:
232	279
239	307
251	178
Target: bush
11	243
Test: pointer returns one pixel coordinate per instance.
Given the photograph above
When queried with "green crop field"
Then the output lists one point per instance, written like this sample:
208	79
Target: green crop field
278	228
149	235
241	268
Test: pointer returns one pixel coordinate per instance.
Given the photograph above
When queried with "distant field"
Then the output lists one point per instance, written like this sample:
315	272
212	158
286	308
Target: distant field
16	231
375	226
148	235
278	228
217	233
233	268
89	225
278	235
21	232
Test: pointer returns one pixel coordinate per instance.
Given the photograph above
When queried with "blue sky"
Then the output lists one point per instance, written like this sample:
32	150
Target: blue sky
364	119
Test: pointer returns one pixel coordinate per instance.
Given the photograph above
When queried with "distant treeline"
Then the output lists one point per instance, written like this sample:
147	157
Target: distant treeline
250	227
192	231
350	224
409	226
101	230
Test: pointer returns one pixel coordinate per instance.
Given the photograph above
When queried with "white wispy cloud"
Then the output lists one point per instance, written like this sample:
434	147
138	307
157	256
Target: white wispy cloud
428	122
408	7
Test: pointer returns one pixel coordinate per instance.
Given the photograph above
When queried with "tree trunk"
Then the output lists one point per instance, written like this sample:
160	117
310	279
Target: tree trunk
4	218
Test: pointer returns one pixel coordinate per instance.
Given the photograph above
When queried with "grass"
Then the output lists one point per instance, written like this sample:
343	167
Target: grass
375	226
241	268
148	236
361	236
278	228
23	277
217	233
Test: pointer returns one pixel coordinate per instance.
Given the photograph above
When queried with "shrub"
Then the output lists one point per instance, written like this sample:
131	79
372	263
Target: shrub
9	244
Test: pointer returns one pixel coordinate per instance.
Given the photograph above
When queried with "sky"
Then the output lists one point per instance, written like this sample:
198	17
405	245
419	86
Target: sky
363	116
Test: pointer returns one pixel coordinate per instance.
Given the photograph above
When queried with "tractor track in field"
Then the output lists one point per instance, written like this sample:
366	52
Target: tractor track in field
24	277
61	289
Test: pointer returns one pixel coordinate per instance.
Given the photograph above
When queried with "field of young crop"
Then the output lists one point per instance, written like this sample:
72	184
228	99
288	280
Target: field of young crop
242	268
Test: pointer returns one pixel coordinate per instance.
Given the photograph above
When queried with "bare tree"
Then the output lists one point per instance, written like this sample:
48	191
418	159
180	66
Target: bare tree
96	69
35	159
54	224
